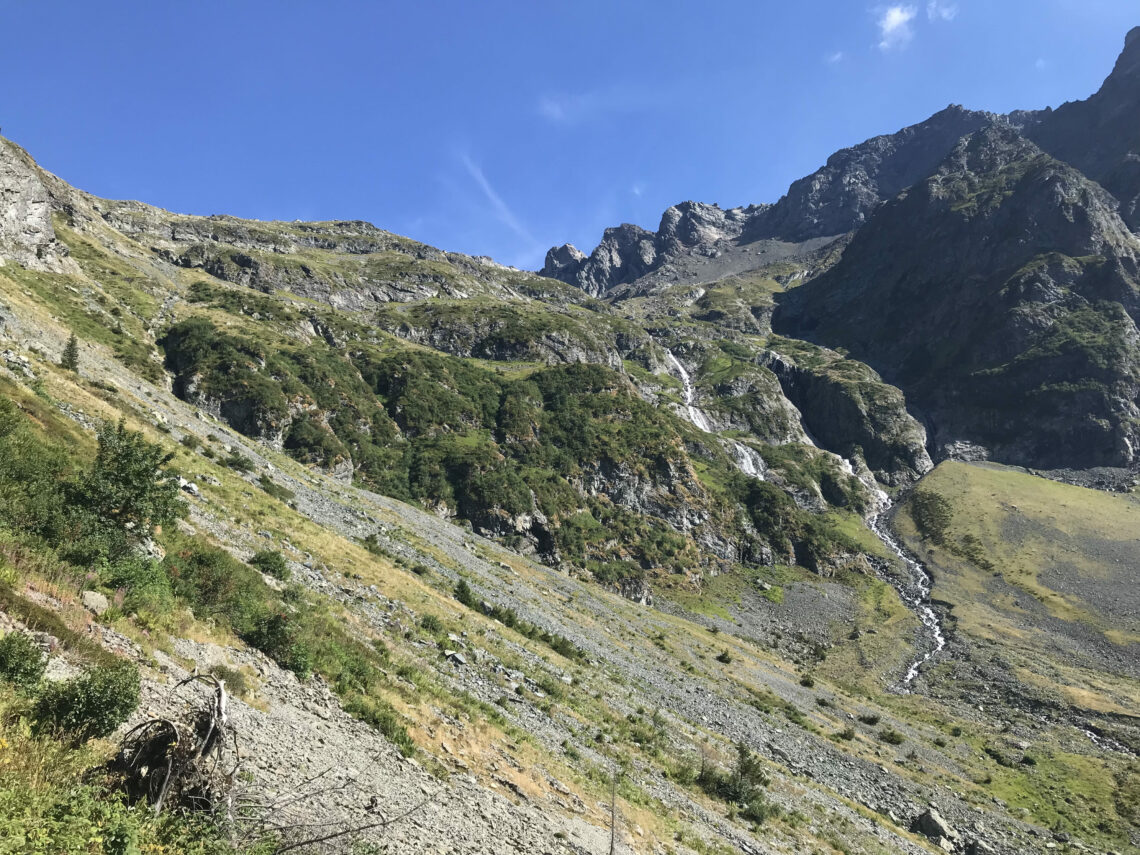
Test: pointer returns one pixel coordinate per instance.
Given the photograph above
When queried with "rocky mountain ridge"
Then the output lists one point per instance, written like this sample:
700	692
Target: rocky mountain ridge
972	323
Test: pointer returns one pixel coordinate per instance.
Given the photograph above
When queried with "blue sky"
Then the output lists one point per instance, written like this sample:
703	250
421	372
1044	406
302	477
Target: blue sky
501	128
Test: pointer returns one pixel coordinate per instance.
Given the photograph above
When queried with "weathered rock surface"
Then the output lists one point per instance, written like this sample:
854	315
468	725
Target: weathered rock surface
1101	135
27	236
999	294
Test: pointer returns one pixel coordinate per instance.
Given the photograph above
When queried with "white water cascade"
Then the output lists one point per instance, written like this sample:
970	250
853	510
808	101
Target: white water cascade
915	592
699	419
748	460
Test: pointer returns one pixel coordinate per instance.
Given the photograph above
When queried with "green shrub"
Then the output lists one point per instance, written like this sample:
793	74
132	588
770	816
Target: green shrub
280	636
275	490
807	681
237	461
69	360
380	715
21	662
740	786
891	737
724	656
869	719
236	683
127	487
932	515
432	624
272	563
464	594
89	706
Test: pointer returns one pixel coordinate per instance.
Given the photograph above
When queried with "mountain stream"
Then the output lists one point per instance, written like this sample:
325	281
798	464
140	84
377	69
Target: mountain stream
914	589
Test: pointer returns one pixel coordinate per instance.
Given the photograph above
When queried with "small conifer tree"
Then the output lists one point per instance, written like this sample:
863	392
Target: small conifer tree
70	358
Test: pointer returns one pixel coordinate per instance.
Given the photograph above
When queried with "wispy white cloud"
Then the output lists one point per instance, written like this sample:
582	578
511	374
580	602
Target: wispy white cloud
638	189
575	108
834	58
895	30
936	10
1041	64
499	208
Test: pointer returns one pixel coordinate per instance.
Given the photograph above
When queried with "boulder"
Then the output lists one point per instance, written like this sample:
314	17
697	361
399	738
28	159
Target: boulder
95	602
931	824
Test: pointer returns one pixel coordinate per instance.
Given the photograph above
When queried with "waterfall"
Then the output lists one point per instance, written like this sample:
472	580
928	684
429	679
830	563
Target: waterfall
699	419
748	460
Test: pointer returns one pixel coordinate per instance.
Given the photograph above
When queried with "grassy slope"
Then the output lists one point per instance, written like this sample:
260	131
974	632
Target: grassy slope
1064	559
1057	615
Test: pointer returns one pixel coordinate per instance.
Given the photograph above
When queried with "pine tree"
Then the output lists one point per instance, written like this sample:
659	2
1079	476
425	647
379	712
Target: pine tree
70	358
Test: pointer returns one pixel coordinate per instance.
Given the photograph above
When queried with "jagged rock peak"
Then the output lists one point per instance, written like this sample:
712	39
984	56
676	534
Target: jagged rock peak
562	258
840	195
691	223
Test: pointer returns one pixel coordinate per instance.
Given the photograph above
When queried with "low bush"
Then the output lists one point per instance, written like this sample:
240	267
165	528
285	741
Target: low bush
272	563
891	737
235	680
740	786
237	462
275	490
21	662
89	706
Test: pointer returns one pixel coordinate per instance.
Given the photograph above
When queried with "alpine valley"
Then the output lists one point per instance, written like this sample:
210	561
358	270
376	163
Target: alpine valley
805	527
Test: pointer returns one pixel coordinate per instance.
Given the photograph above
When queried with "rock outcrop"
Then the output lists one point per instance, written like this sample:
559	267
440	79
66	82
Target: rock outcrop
27	236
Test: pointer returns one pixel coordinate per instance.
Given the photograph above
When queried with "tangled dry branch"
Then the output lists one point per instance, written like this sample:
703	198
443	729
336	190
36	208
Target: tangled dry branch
194	765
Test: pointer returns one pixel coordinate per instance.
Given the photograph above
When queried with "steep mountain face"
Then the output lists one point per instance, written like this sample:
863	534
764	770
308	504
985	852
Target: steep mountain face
988	267
839	196
512	402
1000	294
1100	136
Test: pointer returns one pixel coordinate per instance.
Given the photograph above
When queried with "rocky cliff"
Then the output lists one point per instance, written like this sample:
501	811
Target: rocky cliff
1100	136
999	294
27	236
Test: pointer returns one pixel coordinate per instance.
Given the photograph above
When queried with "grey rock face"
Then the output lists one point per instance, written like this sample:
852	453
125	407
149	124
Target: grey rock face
850	411
840	195
563	258
27	236
629	252
931	824
1101	135
967	290
95	602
